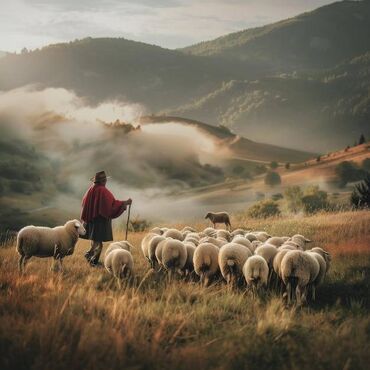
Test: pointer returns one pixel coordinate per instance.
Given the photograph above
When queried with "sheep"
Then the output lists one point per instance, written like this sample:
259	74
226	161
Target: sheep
158	251
206	262
277	241
120	263
251	237
57	242
262	235
189	264
292	244
231	260
276	263
238	232
174	234
188	228
256	272
324	254
217	242
192	240
321	275
254	245
152	246
124	244
145	244
243	241
219	218
173	255
300	240
223	234
209	231
157	230
268	252
298	270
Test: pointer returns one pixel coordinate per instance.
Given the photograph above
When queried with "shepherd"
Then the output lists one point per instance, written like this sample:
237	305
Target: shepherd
99	207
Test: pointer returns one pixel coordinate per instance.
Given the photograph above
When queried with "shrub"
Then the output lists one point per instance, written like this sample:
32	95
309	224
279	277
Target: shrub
264	209
348	172
139	224
21	187
274	165
287	166
360	197
314	200
277	196
293	195
366	164
272	178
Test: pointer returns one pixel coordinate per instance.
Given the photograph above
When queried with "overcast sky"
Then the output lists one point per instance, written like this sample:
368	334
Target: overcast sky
168	23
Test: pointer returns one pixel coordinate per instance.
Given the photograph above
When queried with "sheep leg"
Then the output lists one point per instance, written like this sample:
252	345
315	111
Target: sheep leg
60	260
25	260
20	264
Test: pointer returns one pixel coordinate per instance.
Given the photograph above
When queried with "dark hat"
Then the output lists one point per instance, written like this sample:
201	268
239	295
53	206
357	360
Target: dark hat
99	177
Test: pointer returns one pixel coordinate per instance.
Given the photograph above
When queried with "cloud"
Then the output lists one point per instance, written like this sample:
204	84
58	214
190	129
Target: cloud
169	23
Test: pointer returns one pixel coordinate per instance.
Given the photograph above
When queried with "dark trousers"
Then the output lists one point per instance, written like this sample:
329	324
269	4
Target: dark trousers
93	254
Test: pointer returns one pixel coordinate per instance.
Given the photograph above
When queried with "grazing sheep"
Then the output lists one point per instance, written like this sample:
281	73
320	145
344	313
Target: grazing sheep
57	242
124	244
206	262
231	260
174	234
251	237
157	230
158	251
320	276
298	271
210	231
262	235
188	228
223	234
277	241
192	240
237	232
254	245
324	254
219	218
152	246
256	272
243	241
288	247
120	263
268	252
145	244
189	264
300	240
276	263
217	242
291	244
173	254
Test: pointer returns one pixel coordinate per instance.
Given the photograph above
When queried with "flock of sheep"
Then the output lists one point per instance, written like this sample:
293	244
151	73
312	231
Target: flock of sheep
256	258
240	256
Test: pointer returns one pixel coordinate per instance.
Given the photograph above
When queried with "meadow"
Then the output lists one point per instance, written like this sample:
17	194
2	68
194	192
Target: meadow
81	319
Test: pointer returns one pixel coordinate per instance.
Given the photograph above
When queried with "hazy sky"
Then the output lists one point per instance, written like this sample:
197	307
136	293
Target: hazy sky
168	23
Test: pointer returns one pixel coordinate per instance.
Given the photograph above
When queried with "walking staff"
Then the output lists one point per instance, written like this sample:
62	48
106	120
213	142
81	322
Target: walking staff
99	207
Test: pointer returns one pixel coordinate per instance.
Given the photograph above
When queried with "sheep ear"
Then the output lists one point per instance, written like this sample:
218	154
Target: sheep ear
308	241
77	224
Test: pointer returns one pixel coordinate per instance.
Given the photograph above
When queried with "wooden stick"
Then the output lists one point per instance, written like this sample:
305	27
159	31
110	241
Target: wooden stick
128	219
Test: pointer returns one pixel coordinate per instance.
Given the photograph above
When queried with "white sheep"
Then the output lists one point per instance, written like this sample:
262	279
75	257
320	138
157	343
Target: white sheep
188	228
152	246
158	251
174	234
300	240
209	231
243	241
254	245
320	276
276	263
250	236
292	244
189	264
298	270
238	232
145	244
157	230
268	252
120	263
57	242
223	234
217	242
206	262
262	235
173	254
231	260
256	272
123	244
324	254
277	241
219	218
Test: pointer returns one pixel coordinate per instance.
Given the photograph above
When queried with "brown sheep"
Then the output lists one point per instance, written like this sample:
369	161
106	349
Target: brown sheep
219	218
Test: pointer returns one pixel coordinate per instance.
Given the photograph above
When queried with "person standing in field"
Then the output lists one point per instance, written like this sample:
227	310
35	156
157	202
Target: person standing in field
99	207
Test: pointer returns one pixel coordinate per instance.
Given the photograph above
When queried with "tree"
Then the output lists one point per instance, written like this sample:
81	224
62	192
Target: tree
366	164
347	171
264	209
361	140
314	200
293	195
274	165
272	178
360	197
318	159
287	166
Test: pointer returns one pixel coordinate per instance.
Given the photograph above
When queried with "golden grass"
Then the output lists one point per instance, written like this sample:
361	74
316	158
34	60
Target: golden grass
79	319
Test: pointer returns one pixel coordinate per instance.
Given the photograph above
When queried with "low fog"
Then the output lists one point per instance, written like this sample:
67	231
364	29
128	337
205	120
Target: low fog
72	140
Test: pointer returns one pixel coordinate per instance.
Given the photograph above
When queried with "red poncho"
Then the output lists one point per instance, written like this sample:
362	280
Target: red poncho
99	201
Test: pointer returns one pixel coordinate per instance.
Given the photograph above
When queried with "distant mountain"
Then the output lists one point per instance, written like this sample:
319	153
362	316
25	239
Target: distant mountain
319	39
301	82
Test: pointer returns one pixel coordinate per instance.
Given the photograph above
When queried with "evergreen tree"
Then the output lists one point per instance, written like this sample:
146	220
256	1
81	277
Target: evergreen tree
361	139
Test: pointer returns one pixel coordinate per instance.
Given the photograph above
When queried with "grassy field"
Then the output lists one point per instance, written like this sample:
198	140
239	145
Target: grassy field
80	319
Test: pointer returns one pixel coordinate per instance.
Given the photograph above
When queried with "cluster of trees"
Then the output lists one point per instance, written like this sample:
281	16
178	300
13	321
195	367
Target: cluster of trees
349	171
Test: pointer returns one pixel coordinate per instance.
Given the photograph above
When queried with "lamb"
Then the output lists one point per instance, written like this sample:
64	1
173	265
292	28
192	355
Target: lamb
256	272
174	254
152	246
231	260
262	235
206	262
120	263
57	242
277	241
298	270
174	234
124	244
219	218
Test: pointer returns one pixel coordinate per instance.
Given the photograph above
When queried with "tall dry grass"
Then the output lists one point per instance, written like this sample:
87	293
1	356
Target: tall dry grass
80	319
